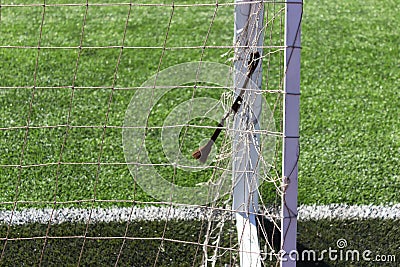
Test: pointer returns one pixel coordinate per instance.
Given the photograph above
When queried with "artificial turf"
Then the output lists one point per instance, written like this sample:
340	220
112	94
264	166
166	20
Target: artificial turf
350	84
104	243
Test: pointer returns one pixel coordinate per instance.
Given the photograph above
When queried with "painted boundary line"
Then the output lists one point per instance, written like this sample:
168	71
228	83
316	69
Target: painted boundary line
305	212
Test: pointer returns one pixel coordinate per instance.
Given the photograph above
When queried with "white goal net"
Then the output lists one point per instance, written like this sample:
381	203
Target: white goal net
148	133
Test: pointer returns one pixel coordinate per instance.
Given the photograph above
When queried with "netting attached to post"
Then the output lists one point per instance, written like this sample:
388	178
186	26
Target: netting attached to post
103	104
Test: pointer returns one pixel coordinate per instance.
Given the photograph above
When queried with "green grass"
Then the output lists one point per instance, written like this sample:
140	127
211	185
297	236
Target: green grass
95	107
377	236
349	106
350	129
96	68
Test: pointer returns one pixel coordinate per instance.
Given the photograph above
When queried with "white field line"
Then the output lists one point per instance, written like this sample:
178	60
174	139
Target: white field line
76	215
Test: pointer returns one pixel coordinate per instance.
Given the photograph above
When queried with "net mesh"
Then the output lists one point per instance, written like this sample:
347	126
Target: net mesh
103	104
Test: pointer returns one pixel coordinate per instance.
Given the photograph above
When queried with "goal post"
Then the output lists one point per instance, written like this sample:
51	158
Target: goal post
291	149
112	100
249	38
248	41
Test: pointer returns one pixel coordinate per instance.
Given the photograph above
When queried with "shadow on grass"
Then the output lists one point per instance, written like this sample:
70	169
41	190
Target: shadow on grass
268	229
104	245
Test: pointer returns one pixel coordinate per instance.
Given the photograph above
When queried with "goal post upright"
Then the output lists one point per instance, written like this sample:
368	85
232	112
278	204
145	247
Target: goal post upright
248	40
291	116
